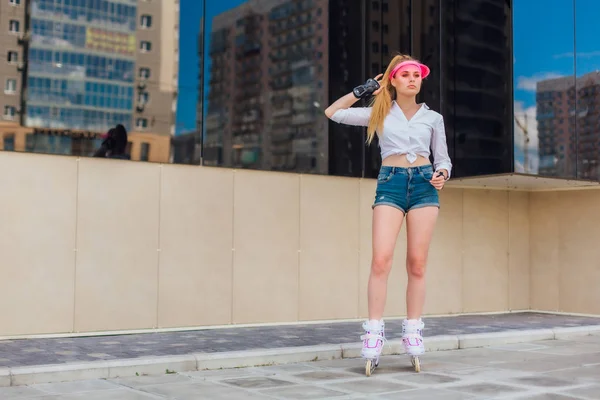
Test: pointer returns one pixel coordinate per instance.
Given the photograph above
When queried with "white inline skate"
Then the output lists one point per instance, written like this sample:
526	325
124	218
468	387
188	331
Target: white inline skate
412	339
373	341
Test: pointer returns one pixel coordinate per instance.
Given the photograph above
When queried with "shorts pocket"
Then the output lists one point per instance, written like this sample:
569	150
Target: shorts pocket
384	177
426	174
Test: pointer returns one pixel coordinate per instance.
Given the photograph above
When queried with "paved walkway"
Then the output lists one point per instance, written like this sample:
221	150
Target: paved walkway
551	369
35	352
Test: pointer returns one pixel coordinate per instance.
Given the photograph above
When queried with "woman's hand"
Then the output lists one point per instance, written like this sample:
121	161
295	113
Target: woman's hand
375	93
438	180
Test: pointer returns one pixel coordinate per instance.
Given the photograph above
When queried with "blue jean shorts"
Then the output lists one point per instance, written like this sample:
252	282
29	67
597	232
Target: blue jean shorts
406	188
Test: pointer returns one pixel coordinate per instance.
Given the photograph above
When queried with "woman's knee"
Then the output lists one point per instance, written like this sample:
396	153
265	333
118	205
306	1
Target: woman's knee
415	265
381	264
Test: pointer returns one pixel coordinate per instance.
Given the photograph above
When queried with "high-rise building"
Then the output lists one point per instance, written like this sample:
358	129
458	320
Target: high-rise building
568	140
268	78
76	69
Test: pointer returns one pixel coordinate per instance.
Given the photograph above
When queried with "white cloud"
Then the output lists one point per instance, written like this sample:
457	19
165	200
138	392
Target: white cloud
588	54
527	118
529	82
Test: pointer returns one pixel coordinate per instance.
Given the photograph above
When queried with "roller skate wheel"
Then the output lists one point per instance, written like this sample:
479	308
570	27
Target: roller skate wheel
370	366
416	363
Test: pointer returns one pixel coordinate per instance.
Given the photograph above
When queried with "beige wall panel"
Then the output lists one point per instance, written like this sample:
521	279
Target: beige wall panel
544	210
329	232
518	247
196	241
485	246
266	226
445	263
579	251
37	238
117	239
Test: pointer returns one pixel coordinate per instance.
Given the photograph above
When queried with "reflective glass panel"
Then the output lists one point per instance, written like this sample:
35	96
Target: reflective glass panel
587	110
544	88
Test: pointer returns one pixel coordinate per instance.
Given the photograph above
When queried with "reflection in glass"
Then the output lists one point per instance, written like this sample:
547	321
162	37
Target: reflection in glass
346	70
587	111
75	72
544	89
476	97
388	28
267	80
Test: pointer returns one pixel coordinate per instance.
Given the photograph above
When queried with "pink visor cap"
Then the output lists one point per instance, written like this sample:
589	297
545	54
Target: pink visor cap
410	63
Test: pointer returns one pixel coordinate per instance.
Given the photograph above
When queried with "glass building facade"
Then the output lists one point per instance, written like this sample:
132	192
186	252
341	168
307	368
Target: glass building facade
557	88
518	94
270	68
81	64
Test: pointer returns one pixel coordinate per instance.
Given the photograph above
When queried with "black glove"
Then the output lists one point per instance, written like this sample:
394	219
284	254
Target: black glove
366	89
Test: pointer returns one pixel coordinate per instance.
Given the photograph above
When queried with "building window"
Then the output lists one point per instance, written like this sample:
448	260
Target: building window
145	46
11	86
146	21
13	26
9	142
143	98
14	2
141	123
13	57
145	151
144	73
9	112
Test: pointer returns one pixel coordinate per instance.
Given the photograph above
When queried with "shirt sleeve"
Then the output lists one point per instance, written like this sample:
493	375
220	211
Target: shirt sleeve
358	116
439	146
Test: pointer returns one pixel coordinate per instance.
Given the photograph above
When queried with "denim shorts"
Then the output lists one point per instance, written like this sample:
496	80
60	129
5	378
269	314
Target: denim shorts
406	188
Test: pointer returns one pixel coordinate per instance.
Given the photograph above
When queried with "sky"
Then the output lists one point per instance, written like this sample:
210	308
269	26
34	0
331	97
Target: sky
190	25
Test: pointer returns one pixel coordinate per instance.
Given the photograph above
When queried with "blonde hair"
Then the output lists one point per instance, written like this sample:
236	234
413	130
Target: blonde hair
382	102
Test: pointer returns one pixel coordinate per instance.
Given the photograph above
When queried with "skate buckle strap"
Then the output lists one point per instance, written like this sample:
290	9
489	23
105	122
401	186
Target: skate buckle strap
413	341
373	336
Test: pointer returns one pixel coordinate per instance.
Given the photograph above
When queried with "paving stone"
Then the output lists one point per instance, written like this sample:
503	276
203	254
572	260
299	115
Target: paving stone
19	392
75	387
425	378
200	390
256	382
429	394
589	392
370	386
118	394
579	374
549	396
542	381
304	392
488	389
323	375
139	381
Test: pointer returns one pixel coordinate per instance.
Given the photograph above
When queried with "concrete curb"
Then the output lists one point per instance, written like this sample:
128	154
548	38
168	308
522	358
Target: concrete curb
18	376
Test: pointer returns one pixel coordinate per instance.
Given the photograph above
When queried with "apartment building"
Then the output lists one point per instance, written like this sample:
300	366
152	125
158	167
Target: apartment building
74	70
268	76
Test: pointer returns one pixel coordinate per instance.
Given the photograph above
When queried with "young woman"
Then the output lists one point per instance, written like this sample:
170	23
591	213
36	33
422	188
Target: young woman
407	185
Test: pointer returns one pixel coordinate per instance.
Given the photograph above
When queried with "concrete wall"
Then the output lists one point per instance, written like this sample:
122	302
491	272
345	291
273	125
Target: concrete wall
565	255
94	245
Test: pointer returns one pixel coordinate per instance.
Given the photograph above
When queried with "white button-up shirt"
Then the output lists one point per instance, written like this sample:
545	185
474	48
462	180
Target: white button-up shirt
402	136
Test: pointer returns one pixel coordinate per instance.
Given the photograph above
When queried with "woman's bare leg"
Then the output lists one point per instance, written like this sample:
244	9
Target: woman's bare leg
387	222
420	224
